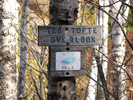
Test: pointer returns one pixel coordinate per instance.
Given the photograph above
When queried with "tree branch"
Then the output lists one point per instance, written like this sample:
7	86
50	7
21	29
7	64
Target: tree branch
100	8
100	85
102	78
35	85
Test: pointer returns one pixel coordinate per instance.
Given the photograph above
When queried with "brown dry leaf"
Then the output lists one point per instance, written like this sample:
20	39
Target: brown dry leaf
130	89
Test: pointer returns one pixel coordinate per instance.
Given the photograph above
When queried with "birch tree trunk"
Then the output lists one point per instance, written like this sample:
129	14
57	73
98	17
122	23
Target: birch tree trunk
92	86
62	12
8	21
103	21
118	49
23	51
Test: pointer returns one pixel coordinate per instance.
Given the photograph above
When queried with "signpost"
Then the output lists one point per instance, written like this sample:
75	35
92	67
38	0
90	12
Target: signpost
67	45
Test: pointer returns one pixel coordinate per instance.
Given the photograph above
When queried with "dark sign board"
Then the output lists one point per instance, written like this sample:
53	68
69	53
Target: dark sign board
66	61
55	35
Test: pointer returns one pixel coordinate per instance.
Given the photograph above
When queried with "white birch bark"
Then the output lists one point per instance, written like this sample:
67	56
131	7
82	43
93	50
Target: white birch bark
119	78
102	19
92	87
23	51
104	24
8	21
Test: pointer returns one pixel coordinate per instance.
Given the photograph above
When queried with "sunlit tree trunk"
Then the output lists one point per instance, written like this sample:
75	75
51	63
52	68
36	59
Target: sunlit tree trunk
8	21
92	86
103	21
118	49
23	51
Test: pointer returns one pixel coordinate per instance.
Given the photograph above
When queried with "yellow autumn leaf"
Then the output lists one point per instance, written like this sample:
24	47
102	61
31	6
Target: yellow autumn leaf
29	37
33	61
32	36
131	52
17	26
28	48
17	73
37	77
20	8
130	89
28	85
18	42
28	30
44	80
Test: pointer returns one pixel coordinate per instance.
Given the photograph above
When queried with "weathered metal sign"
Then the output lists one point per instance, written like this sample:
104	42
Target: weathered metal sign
55	35
68	61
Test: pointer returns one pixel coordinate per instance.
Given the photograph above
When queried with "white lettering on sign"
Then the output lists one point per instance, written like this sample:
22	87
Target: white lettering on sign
68	60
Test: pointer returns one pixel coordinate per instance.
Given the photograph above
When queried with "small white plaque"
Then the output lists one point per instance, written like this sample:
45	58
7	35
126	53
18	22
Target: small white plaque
68	60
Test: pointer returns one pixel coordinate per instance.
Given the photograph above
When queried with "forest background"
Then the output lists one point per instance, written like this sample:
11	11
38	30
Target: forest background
35	84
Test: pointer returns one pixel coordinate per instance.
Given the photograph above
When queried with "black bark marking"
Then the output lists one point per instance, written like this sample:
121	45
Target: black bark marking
58	0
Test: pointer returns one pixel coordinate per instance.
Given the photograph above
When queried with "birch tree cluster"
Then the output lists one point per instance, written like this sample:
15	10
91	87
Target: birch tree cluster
24	65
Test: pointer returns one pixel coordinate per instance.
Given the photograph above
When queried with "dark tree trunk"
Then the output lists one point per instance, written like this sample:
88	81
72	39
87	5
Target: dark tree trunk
23	52
62	12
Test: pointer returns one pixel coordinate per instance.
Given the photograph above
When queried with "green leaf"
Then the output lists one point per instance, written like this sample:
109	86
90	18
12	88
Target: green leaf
18	39
18	51
28	18
32	85
34	61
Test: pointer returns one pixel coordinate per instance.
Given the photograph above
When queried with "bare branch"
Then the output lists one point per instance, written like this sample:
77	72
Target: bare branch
100	8
100	85
35	86
113	63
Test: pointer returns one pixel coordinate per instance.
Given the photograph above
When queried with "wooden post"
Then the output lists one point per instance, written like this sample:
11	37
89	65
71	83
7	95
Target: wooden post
62	12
